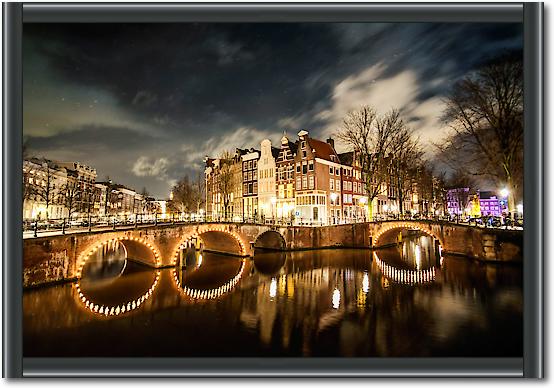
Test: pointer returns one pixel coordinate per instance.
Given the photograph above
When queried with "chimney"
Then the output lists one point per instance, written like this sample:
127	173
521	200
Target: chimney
331	142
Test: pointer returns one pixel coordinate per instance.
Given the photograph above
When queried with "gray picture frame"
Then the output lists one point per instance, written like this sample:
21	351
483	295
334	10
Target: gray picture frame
530	365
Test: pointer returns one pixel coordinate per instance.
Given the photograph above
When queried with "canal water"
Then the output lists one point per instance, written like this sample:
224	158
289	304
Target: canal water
406	300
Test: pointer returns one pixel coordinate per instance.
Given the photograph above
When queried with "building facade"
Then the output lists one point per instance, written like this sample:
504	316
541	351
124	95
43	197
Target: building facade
250	184
285	202
317	182
56	190
458	200
266	180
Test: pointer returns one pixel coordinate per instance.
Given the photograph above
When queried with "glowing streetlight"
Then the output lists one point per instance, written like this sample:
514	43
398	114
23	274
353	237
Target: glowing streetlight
363	200
385	207
504	192
520	208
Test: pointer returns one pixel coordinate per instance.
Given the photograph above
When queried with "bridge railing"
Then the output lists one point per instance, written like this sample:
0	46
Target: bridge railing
34	228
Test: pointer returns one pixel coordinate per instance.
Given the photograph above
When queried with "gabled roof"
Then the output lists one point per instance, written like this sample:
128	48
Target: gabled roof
293	145
323	150
347	158
275	152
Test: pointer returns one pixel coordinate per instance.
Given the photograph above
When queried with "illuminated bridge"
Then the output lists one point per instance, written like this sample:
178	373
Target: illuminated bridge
61	257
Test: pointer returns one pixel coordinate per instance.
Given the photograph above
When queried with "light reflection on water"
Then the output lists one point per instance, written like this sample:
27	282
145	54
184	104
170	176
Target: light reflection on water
309	303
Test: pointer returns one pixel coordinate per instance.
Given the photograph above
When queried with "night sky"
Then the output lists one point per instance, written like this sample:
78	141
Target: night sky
144	103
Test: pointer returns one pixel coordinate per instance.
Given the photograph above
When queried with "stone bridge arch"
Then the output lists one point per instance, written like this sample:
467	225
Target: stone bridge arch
136	248
226	239
381	231
270	239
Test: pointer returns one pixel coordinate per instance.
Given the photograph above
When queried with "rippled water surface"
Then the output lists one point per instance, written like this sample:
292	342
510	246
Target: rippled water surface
399	301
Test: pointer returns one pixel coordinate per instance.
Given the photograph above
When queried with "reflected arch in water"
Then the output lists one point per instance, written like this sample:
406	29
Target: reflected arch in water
119	308
387	231
270	240
211	293
269	263
107	264
405	276
136	248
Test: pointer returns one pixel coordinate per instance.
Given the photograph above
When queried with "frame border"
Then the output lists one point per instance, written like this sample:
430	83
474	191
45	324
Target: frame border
531	365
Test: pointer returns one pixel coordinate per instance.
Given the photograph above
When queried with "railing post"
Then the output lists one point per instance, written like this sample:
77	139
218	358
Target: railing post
89	223
63	226
156	219
36	228
113	221
136	220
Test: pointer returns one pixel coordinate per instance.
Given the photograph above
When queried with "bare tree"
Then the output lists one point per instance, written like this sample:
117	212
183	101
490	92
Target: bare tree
485	113
45	189
200	191
182	196
376	140
225	180
147	205
408	155
70	194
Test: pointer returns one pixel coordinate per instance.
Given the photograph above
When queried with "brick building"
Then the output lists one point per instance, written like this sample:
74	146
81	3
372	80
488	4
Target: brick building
317	181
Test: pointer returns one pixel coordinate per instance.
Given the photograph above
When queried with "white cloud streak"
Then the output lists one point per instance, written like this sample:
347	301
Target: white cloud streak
145	166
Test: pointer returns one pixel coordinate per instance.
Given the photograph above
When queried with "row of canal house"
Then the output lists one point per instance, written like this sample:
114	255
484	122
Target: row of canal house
301	180
306	181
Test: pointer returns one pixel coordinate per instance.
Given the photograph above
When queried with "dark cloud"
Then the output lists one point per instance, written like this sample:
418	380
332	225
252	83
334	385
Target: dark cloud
130	95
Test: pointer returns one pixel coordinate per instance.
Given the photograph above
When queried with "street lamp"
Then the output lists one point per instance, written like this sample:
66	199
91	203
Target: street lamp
520	208
504	192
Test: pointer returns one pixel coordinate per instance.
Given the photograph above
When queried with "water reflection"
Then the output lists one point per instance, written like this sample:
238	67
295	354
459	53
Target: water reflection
108	287
310	303
413	261
211	281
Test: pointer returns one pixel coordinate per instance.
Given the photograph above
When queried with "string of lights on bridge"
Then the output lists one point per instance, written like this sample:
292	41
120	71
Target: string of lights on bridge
120	308
407	225
180	246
